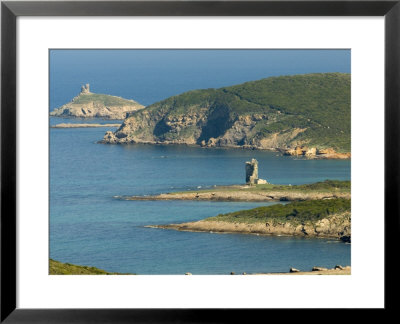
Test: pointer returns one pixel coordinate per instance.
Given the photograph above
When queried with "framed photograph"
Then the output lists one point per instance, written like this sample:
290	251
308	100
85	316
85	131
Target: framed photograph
162	160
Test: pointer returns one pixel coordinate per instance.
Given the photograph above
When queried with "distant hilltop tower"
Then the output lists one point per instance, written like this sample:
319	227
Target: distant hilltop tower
85	88
252	173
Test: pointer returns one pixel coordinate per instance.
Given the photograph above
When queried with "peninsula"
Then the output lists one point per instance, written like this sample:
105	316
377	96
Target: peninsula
93	105
303	115
316	218
328	189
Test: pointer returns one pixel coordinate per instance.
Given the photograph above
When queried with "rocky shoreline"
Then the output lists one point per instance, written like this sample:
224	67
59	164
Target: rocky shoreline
303	152
337	226
315	153
337	270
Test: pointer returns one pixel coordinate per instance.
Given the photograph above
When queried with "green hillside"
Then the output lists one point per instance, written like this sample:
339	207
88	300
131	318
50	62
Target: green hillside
311	109
295	212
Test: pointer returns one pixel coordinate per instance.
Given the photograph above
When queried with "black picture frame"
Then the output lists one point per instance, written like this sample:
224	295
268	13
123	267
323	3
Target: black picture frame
10	10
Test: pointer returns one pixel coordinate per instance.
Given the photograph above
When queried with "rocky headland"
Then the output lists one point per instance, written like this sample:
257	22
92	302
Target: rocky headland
302	115
94	105
317	218
336	226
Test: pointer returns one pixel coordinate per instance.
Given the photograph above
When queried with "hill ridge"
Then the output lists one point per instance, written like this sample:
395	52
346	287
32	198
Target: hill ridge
300	112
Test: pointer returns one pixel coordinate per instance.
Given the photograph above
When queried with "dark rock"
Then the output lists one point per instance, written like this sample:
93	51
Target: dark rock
346	238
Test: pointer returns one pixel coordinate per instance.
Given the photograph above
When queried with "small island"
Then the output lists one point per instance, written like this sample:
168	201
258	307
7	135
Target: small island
93	105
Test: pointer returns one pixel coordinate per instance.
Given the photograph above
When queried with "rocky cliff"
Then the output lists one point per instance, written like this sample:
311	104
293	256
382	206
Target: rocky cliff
283	113
91	105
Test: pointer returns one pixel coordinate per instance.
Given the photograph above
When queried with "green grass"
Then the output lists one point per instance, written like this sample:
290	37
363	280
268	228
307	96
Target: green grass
295	212
59	268
107	100
327	186
323	186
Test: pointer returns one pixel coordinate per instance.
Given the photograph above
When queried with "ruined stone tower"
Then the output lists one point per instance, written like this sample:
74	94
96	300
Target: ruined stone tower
85	88
252	173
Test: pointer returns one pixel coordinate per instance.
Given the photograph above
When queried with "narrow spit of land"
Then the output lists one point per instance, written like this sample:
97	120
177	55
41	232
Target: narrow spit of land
328	189
329	218
70	125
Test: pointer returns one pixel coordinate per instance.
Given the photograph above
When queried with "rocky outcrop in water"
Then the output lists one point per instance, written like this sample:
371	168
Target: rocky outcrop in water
93	105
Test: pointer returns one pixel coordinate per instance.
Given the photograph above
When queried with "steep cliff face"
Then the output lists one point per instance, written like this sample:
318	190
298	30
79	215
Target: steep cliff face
274	113
92	105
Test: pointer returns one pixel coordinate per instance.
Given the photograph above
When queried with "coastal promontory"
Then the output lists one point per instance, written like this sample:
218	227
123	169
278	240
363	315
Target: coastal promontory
91	105
327	218
306	115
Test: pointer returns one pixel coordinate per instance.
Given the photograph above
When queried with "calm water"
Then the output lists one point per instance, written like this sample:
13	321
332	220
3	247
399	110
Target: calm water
89	227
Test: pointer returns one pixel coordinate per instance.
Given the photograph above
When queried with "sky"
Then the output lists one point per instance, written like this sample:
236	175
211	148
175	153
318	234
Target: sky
152	75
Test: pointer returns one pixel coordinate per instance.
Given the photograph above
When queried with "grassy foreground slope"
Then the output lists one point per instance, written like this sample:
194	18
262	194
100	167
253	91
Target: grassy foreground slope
59	268
275	113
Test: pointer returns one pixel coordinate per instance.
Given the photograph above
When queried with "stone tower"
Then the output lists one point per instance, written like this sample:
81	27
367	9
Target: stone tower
252	172
85	88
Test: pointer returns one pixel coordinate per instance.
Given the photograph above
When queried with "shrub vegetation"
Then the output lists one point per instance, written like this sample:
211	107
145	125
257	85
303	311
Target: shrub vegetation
295	212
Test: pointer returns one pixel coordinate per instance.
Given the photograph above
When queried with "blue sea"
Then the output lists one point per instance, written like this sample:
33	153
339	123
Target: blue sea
88	226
